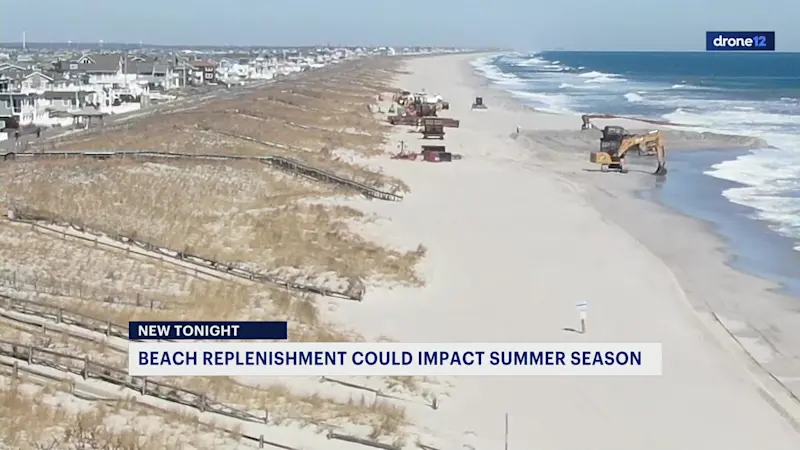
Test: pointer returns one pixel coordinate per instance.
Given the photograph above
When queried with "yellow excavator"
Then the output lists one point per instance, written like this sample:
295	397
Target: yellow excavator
616	143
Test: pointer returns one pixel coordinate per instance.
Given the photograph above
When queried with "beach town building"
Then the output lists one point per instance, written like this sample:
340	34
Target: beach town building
36	90
203	71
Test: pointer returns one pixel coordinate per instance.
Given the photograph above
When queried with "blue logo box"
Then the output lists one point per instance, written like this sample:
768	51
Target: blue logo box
740	41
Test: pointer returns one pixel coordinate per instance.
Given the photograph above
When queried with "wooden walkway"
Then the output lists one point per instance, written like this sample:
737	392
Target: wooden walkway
278	162
87	369
198	264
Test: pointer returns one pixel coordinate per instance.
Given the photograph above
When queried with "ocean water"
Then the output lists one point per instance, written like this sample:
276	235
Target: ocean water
740	93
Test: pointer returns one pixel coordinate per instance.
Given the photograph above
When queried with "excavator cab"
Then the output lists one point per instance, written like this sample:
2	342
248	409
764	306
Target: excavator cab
614	133
612	139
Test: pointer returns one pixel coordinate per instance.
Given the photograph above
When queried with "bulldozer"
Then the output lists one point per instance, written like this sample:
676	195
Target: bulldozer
616	143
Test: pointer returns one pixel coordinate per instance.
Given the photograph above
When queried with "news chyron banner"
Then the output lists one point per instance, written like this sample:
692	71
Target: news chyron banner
262	349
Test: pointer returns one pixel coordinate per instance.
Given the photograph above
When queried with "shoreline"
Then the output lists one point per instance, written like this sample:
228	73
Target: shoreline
742	248
744	320
719	142
585	227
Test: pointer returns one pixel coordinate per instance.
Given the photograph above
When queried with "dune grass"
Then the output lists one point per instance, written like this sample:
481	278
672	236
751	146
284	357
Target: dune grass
218	212
285	406
48	418
198	132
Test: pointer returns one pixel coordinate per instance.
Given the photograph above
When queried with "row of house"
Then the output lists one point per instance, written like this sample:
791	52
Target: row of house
109	82
46	94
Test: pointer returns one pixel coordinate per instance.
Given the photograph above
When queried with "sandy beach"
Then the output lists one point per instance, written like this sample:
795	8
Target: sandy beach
517	233
497	247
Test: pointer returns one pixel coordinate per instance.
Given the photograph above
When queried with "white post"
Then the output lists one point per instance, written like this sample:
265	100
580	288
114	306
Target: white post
506	442
582	307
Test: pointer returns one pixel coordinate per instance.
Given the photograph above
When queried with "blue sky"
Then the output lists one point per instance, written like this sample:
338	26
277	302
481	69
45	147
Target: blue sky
515	24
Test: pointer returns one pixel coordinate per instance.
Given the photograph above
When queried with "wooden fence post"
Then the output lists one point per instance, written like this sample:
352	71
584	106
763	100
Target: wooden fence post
16	369
85	371
108	328
143	389
261	441
202	403
266	416
30	354
59	315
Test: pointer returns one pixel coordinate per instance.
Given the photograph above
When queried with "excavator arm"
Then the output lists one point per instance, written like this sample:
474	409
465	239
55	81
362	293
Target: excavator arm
653	139
587	120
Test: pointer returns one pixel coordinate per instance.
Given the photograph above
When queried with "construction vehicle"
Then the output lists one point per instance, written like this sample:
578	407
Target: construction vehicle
432	128
478	104
444	121
616	133
615	144
429	153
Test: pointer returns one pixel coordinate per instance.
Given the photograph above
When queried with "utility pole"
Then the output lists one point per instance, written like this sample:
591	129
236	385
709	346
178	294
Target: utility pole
24	42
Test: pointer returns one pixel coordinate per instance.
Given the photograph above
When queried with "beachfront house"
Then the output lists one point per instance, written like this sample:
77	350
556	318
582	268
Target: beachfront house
69	100
24	79
18	109
203	71
11	71
35	80
154	72
120	70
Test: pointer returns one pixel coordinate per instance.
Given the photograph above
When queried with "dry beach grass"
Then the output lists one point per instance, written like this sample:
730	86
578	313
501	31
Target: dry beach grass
236	212
233	213
378	418
37	418
257	125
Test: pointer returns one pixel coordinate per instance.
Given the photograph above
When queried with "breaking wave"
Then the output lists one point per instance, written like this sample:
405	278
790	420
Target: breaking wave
769	178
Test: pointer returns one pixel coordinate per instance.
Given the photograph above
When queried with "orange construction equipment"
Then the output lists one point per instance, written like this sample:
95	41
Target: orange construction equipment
429	153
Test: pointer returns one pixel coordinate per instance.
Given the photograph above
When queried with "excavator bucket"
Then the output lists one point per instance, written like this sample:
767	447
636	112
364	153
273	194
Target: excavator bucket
661	169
